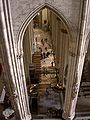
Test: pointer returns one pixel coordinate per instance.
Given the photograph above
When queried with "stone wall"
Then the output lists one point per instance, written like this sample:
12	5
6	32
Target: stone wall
20	9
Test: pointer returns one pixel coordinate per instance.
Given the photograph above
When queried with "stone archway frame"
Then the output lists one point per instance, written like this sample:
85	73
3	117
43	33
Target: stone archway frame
30	17
14	60
21	34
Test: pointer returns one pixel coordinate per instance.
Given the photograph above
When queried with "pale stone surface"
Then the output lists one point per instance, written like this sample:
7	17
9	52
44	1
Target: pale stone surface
68	8
21	8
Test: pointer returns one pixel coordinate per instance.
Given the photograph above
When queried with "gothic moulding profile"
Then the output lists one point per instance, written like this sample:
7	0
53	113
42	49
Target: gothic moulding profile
33	14
29	19
75	86
24	27
76	83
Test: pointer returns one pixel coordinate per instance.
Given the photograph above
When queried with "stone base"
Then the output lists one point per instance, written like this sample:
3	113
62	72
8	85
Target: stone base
67	117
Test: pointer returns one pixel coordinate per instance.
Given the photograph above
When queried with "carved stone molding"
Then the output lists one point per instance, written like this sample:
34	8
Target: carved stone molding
75	87
74	90
15	94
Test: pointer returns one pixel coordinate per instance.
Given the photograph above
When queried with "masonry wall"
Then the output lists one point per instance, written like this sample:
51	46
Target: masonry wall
20	9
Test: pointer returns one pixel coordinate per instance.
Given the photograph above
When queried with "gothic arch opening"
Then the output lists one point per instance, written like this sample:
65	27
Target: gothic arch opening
17	69
43	37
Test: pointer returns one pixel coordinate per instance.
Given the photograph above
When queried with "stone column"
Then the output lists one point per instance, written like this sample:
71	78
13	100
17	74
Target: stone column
61	49
21	84
71	90
44	15
14	73
27	49
40	19
77	53
63	54
53	37
26	52
73	83
31	38
58	40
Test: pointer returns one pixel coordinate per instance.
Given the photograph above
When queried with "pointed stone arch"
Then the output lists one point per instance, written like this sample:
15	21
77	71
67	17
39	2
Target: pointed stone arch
14	63
16	57
24	27
31	15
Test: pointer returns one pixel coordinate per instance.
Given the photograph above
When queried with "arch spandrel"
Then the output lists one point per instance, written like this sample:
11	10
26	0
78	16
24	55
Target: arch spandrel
32	14
21	8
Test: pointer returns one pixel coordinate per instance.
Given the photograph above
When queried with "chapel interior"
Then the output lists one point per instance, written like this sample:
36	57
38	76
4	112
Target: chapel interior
46	45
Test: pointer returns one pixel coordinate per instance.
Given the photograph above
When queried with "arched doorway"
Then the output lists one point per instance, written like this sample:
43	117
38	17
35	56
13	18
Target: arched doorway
65	30
16	68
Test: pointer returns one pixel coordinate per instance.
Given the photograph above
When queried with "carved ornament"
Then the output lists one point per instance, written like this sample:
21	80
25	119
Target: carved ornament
74	90
15	94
